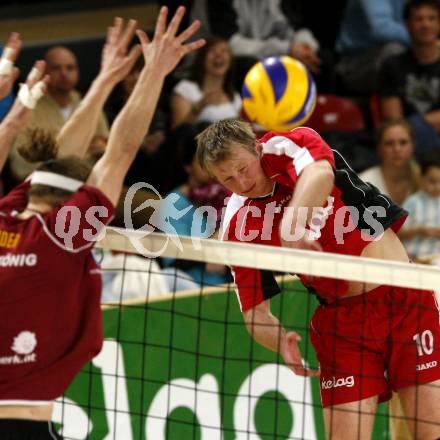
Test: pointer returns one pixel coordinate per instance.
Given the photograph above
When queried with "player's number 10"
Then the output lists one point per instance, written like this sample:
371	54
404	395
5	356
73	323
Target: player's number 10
424	342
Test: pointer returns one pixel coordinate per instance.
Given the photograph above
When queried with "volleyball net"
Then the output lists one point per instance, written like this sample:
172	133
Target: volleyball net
180	364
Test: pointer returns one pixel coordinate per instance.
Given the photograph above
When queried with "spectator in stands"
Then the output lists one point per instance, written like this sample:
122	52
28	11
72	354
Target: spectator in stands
198	191
55	108
421	232
209	94
397	174
371	31
258	29
409	83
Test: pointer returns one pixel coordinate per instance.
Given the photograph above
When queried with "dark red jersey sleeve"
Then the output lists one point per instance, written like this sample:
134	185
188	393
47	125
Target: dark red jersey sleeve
287	154
76	224
16	199
253	286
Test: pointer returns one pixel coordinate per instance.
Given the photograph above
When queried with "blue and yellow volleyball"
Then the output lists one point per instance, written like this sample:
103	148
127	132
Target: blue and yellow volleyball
279	93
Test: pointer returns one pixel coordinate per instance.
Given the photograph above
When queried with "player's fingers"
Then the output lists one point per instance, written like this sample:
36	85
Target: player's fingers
118	25
46	80
14	43
9	55
143	37
194	45
111	36
161	22
13	40
189	31
128	35
133	56
15	74
36	73
315	246
301	371
175	21
293	337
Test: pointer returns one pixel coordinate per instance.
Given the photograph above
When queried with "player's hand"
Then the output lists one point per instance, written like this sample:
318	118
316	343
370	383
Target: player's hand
292	356
116	60
9	56
304	53
20	114
166	48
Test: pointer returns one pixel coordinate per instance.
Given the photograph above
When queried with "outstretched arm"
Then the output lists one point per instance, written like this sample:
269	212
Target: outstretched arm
161	56
76	135
21	111
267	331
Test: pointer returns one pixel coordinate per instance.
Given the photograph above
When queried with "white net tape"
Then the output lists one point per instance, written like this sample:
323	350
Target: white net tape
274	258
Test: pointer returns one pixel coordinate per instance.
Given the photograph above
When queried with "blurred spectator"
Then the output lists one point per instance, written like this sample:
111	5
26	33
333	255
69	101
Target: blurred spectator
126	277
421	231
410	83
208	95
56	106
133	277
258	29
180	215
397	174
371	31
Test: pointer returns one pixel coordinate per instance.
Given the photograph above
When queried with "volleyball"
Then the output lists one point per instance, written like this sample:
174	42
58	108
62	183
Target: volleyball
278	93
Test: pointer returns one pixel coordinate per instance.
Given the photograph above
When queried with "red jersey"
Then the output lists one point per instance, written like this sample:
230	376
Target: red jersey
355	213
50	294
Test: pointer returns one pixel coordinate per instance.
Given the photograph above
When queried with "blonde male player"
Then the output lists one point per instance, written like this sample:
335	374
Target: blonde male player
360	331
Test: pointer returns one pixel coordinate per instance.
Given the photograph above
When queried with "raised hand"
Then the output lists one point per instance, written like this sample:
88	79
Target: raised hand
30	92
116	61
9	73
166	48
21	111
292	356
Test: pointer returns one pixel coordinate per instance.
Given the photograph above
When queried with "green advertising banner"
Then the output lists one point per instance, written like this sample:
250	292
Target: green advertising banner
186	368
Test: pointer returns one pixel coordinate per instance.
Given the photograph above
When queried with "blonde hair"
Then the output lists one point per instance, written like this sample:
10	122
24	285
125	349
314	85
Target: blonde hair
401	122
216	142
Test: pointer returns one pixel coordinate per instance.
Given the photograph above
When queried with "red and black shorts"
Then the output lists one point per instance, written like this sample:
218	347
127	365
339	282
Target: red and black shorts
371	344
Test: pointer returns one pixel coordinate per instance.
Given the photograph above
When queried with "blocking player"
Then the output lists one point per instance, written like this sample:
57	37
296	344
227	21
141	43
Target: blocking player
50	302
361	331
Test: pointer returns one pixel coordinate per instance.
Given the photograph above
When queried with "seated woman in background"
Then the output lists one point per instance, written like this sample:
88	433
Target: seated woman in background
397	174
197	191
208	95
421	231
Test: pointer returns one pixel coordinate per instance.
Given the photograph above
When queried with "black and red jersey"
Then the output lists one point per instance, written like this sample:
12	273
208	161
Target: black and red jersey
50	290
355	213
